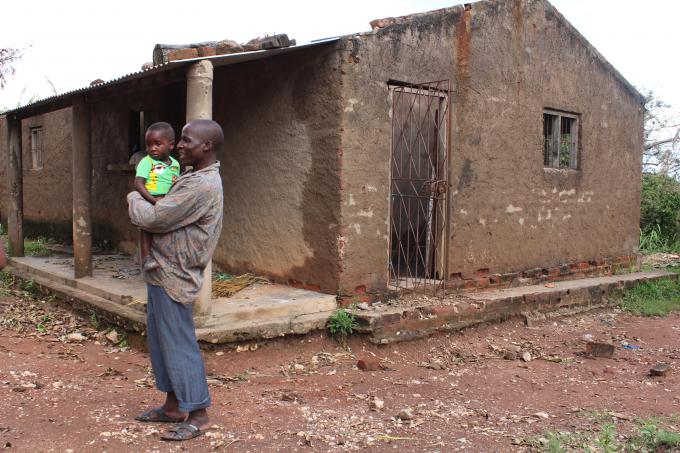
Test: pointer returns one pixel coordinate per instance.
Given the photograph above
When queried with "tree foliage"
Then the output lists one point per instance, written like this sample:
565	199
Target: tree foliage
660	207
662	138
8	56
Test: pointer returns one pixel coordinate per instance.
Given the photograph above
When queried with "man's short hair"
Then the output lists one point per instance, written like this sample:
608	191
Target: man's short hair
163	127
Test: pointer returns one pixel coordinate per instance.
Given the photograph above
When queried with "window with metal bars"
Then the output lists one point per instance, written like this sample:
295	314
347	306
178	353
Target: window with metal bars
560	140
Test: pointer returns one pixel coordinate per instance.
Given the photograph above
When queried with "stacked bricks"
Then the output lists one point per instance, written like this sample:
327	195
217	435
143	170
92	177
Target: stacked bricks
358	296
602	267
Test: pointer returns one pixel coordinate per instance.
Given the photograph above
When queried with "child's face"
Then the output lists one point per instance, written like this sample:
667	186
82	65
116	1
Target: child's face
158	146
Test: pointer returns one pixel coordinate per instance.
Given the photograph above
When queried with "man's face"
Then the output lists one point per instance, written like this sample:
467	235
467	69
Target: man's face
158	146
191	149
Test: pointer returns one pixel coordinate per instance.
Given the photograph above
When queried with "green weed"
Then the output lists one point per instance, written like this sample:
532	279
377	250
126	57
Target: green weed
654	438
36	247
43	326
607	439
96	323
342	323
652	298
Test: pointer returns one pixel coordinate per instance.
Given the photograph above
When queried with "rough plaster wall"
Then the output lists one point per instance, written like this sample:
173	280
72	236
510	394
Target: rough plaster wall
507	60
279	166
52	206
48	191
515	58
110	145
417	53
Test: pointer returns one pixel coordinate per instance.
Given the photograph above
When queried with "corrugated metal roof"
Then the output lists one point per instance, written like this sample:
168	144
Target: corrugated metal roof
217	60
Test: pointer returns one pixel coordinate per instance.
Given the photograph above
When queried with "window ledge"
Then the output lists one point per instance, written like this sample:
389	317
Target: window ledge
560	170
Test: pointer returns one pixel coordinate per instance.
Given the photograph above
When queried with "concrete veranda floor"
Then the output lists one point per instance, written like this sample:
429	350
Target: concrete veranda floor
259	311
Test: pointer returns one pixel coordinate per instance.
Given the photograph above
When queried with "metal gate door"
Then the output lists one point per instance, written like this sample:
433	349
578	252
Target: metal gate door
419	186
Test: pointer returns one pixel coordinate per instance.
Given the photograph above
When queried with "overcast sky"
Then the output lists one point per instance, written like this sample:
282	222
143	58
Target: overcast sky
71	43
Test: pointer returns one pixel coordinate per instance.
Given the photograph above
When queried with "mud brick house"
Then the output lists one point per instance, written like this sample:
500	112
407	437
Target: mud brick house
480	145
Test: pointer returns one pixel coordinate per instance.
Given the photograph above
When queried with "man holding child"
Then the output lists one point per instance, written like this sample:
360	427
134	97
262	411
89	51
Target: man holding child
184	227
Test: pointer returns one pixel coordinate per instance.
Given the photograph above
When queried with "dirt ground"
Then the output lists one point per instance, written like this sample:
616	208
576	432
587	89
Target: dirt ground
465	391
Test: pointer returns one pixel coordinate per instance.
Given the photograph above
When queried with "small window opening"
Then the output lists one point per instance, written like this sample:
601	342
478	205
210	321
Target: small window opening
560	140
139	121
36	148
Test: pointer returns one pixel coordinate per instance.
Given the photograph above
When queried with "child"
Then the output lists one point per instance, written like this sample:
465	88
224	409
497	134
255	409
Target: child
156	173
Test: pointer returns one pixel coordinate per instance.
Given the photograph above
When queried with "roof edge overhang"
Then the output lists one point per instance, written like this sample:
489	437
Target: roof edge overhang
64	100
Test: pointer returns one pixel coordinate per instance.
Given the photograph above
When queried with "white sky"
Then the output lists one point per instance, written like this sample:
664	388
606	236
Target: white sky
73	42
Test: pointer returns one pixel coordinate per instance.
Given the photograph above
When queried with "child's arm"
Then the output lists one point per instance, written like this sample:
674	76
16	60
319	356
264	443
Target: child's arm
140	186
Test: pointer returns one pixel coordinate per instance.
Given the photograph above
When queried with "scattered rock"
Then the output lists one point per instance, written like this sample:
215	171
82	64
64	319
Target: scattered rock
382	23
526	356
405	414
376	404
113	337
597	349
269	42
287	395
228	46
436	365
660	369
75	337
246	347
369	364
620	416
510	355
363	306
543	415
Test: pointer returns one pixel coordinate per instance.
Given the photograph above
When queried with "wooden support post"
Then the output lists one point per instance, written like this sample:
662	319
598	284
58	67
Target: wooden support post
15	216
82	189
199	106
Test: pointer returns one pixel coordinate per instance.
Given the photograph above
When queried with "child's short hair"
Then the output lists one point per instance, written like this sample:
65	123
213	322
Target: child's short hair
164	127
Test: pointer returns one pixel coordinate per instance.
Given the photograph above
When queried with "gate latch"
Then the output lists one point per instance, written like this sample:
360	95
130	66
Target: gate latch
434	187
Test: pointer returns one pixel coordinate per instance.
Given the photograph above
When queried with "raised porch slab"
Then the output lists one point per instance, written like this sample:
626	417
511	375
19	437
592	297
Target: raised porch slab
117	291
392	324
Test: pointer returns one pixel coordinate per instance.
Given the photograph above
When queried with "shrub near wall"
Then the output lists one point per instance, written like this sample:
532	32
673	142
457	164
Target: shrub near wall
660	212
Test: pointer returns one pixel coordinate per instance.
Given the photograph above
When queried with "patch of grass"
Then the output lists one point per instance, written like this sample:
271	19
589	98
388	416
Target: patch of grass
342	323
36	247
28	285
649	436
6	283
652	298
559	441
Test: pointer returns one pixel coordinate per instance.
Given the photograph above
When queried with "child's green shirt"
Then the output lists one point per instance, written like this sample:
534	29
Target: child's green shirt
159	176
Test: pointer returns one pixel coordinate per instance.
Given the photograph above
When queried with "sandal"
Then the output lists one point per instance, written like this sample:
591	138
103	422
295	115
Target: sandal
183	431
157	415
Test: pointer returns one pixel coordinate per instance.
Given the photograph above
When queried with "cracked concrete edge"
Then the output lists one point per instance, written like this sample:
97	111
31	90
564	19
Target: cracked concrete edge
298	325
109	311
597	298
